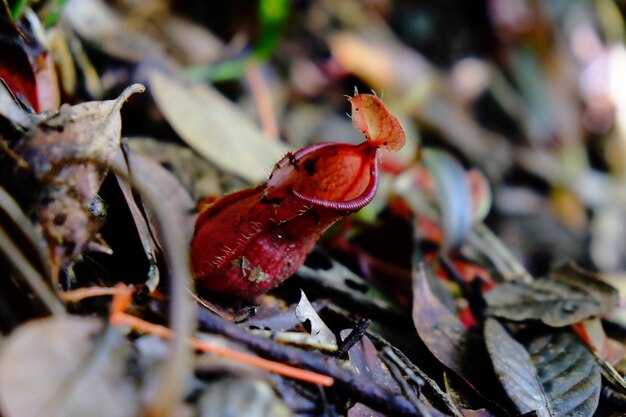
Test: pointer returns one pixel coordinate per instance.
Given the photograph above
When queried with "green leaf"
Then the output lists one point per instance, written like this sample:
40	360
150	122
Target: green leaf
272	15
52	12
17	9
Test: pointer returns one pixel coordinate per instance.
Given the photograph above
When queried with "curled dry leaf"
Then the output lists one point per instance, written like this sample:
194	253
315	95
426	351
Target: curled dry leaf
307	314
515	370
65	367
60	152
566	296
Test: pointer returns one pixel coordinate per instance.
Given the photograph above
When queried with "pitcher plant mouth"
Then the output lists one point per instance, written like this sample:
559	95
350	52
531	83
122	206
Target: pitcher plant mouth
248	242
336	176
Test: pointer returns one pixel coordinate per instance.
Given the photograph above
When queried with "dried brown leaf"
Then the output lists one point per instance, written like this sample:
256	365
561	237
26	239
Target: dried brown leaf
566	296
568	373
101	26
60	367
515	370
60	152
215	127
442	332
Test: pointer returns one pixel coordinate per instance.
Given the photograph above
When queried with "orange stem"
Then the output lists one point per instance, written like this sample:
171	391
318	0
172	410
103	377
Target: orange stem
275	367
263	98
122	299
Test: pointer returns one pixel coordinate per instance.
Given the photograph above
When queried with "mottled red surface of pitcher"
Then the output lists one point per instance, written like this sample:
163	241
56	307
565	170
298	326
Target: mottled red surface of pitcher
248	242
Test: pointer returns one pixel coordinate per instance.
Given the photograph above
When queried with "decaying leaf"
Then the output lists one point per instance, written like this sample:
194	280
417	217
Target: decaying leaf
515	371
566	296
66	367
483	245
60	152
568	374
215	128
339	281
307	314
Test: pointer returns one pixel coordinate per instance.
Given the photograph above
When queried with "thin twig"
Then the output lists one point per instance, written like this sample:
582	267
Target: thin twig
206	346
406	388
359	387
355	335
122	299
79	294
420	378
